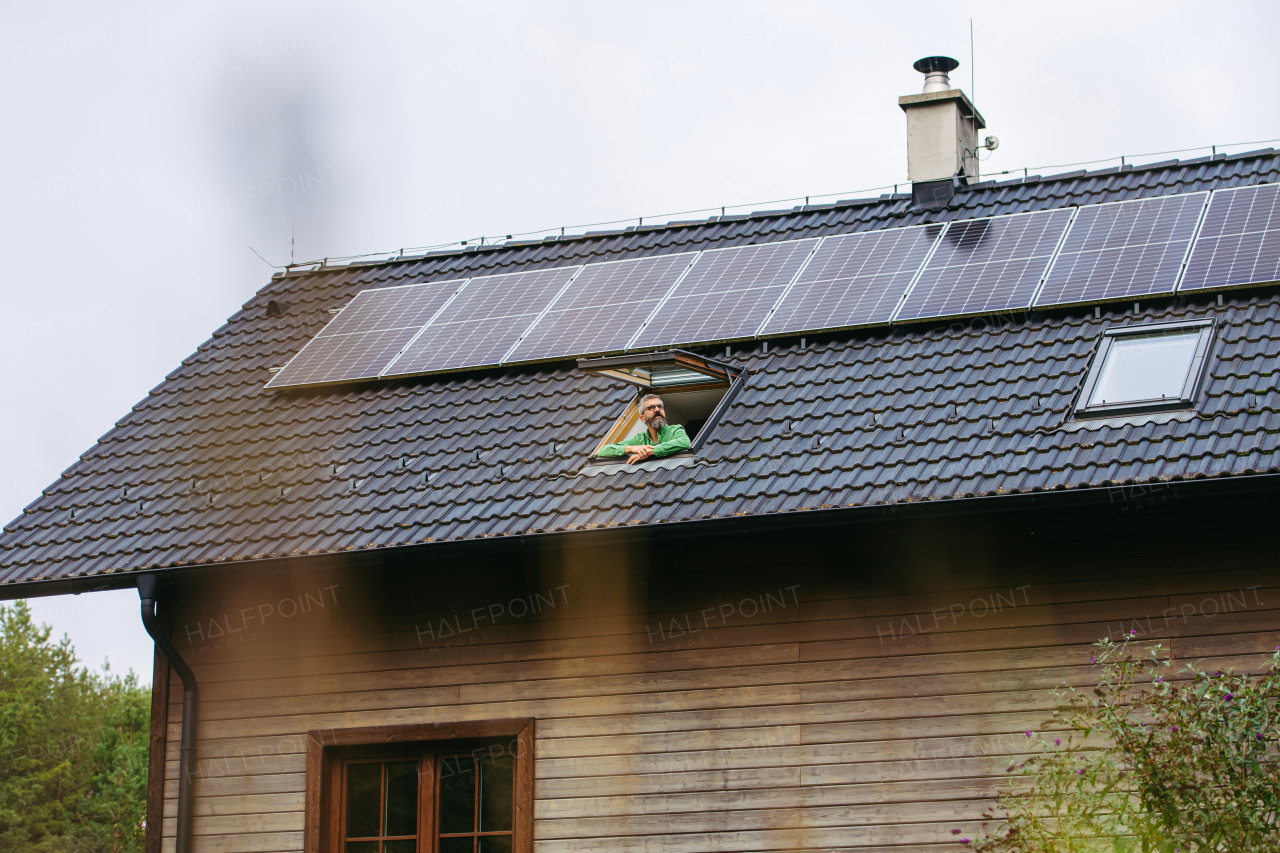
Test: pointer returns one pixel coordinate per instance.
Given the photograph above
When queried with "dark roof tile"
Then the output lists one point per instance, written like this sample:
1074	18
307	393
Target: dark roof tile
877	416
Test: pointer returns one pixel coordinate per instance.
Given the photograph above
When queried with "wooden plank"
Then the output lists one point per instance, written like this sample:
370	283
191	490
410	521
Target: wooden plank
906	769
610	637
243	785
796	714
922	665
418	674
804	755
239	805
259	842
773	797
799	838
738	819
611	686
238	824
944	622
921	621
416	714
834	722
524	833
669	783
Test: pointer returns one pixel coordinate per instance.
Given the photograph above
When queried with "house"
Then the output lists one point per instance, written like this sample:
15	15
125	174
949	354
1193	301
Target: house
404	608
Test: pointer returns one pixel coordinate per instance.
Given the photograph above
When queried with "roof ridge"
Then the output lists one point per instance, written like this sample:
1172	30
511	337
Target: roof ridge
841	204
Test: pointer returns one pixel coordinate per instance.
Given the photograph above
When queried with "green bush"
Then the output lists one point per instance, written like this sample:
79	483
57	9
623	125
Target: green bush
1147	761
73	747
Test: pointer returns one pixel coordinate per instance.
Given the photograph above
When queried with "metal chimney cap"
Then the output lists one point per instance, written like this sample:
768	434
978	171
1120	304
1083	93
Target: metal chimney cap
932	64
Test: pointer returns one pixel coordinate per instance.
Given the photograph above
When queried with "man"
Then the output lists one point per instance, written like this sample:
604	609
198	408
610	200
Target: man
657	439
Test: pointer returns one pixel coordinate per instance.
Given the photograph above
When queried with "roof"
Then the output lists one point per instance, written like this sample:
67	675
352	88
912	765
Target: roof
211	468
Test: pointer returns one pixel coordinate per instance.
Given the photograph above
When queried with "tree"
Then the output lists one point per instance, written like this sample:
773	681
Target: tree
73	747
1151	762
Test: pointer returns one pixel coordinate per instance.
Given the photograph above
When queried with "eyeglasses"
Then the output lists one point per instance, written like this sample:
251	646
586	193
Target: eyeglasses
654	406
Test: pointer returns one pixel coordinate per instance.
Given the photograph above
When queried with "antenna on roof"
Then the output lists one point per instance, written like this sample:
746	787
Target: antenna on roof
973	87
293	241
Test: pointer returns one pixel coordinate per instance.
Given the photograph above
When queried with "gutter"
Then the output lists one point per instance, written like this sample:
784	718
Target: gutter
147	593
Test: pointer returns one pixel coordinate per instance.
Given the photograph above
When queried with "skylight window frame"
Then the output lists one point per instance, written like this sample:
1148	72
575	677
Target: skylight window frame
715	376
1190	386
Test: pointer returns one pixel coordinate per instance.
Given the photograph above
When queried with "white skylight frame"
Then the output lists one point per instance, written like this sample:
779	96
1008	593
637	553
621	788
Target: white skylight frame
1185	397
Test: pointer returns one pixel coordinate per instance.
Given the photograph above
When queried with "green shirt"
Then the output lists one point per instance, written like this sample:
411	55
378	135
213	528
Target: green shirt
671	439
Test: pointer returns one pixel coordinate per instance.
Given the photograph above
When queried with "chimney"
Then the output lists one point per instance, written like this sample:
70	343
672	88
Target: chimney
942	135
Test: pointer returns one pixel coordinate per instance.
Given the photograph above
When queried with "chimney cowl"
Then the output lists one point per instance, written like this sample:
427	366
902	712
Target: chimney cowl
935	70
942	133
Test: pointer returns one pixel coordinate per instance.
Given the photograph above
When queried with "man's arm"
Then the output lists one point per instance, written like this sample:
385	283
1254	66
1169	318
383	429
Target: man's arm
620	448
676	440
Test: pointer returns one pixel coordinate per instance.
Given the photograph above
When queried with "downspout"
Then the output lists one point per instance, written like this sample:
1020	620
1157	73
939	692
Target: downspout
147	592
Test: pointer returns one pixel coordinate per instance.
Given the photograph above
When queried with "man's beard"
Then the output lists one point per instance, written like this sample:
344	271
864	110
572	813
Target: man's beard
658	423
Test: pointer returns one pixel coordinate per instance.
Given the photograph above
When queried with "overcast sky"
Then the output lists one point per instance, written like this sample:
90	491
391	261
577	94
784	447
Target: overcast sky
147	146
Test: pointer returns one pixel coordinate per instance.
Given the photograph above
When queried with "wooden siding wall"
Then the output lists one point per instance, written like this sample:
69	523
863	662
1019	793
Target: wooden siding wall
861	688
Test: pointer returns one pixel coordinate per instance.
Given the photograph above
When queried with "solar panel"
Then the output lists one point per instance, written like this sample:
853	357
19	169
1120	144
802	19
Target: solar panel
366	335
1123	249
853	280
480	325
983	265
727	294
603	308
1239	242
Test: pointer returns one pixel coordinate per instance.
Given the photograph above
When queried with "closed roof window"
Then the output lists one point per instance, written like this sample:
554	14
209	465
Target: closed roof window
1146	368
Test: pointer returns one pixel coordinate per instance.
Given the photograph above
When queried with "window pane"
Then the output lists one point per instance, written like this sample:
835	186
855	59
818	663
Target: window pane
497	776
362	847
402	799
364	793
495	844
457	845
457	794
405	845
1145	367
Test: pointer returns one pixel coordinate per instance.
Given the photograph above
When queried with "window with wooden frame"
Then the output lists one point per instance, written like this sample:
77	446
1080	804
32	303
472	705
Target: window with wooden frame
695	390
447	788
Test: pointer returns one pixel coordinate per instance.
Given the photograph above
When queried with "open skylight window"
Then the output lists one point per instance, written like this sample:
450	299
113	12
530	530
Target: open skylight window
694	390
1151	367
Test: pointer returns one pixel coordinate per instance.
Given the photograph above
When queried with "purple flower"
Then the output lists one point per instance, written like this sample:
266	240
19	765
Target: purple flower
1093	660
955	832
964	841
1133	630
1160	679
1228	697
1057	741
1080	771
1259	735
1173	728
1028	734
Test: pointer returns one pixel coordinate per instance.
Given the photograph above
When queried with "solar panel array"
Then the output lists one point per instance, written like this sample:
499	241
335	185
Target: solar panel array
853	280
1118	250
1239	242
366	335
1124	249
479	326
986	265
601	310
727	294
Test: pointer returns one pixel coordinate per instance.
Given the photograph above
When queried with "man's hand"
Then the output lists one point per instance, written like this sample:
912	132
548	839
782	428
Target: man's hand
638	452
